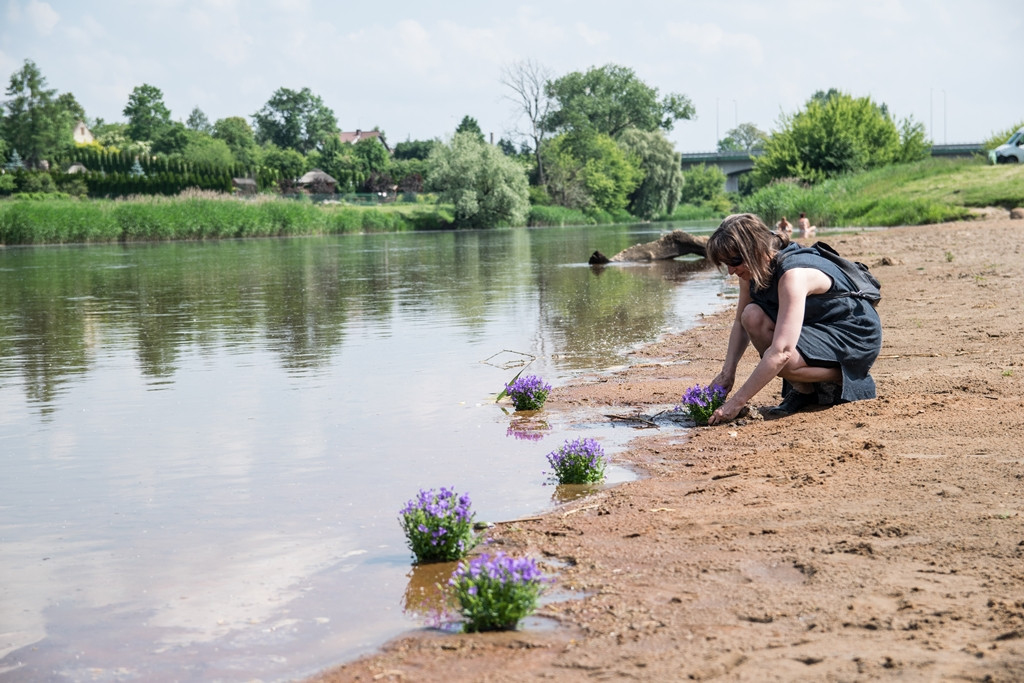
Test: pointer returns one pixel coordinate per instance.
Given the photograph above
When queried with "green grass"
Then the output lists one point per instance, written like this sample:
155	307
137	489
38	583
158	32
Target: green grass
929	191
198	216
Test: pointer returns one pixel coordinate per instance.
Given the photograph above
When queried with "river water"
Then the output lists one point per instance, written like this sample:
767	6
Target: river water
204	446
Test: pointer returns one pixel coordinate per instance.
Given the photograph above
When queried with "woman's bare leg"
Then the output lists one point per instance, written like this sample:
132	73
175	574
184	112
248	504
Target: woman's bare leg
761	330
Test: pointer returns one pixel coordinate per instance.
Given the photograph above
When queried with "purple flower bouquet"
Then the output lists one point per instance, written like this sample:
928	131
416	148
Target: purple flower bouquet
438	526
578	462
701	402
496	591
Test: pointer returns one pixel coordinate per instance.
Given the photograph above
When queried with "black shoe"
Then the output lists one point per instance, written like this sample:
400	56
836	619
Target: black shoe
794	403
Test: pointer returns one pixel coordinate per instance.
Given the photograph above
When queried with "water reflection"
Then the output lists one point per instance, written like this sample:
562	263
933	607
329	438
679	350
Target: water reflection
428	598
531	427
211	442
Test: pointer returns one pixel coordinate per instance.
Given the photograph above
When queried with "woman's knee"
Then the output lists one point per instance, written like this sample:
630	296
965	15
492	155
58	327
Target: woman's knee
759	327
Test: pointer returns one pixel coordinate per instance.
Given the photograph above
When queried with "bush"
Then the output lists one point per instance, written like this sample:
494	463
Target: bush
438	526
578	462
496	592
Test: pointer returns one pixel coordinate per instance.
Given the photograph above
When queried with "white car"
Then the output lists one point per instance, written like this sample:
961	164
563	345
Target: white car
1010	153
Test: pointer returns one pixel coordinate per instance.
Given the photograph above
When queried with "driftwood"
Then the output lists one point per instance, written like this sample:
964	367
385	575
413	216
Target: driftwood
676	243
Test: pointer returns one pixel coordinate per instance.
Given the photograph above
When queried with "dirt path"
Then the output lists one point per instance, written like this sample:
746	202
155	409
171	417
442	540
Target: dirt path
876	540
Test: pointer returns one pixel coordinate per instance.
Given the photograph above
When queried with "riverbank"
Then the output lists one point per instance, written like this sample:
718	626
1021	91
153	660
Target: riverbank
875	540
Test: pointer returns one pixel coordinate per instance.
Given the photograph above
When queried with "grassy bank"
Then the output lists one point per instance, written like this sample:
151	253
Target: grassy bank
929	191
201	215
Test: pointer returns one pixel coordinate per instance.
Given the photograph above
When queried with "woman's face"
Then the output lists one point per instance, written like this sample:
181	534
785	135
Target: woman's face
737	267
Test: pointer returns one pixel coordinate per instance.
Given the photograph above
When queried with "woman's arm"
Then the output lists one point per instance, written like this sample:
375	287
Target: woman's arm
738	342
794	286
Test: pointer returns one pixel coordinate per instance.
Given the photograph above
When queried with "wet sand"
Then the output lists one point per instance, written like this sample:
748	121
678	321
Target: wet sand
881	539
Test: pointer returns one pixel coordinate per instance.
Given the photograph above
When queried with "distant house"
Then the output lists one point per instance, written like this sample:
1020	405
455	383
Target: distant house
81	134
318	182
244	185
353	138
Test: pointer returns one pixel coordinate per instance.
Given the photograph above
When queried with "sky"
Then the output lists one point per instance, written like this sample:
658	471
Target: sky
414	69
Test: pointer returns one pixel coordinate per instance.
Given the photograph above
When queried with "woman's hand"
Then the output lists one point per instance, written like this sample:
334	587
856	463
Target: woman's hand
728	411
725	381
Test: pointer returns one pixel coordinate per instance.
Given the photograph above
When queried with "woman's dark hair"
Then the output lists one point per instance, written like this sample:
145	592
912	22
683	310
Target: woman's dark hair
746	237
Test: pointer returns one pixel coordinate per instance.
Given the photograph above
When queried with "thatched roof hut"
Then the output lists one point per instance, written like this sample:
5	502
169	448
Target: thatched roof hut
318	182
244	185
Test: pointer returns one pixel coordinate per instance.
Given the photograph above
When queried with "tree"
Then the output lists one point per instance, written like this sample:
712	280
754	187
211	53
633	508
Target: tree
586	169
528	82
147	114
69	104
662	185
172	139
36	123
745	137
14	162
197	121
373	155
835	134
705	185
415	149
286	164
295	120
487	188
470	125
203	150
238	136
610	99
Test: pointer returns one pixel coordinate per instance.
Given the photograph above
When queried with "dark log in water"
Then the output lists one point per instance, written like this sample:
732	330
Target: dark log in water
676	243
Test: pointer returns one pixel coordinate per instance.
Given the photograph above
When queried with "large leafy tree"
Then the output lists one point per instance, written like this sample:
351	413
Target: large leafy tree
705	186
590	170
745	137
610	99
239	137
486	187
36	123
415	149
204	150
470	125
835	134
198	121
286	165
658	193
297	120
171	139
146	112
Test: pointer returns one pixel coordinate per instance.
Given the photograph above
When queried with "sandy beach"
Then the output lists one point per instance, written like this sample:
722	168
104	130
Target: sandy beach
874	540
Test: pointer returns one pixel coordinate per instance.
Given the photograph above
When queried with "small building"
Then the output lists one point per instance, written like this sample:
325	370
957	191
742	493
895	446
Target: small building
353	138
318	182
244	186
81	134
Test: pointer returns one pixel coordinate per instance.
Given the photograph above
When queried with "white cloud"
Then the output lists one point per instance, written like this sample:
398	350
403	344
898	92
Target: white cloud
710	39
41	16
591	36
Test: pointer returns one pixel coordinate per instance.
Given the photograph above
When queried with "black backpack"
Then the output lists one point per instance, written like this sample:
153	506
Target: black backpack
868	286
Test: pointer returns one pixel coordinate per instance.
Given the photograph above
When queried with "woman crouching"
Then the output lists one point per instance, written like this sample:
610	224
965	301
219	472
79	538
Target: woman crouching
799	311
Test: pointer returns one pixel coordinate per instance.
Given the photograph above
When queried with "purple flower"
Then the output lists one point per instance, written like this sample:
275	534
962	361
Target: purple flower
701	402
438	525
528	393
496	591
578	462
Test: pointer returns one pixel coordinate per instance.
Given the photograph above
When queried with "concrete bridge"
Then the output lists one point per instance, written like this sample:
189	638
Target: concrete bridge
735	164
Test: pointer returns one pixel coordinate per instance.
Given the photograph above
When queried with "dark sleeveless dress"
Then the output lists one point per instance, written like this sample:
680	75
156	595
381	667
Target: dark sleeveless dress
838	330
